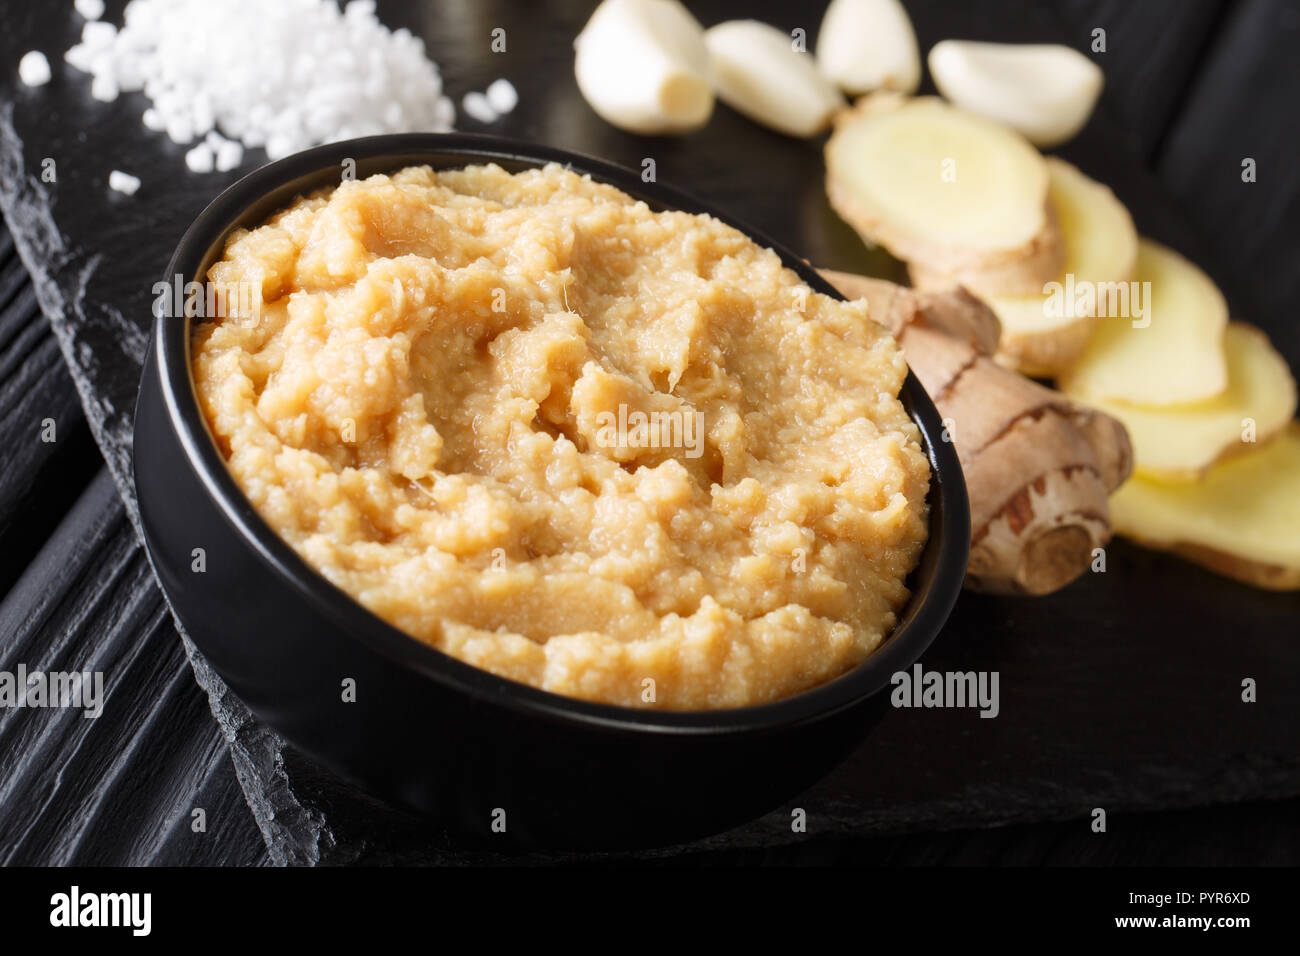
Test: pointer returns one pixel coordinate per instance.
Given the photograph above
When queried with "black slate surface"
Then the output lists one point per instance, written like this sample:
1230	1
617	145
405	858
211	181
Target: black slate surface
78	593
154	770
35	389
120	789
1121	692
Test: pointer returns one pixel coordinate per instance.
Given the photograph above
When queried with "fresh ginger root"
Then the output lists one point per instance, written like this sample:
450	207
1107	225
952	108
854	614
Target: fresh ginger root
1242	519
946	189
1038	467
1171	355
1182	442
1045	333
966	201
970	205
954	312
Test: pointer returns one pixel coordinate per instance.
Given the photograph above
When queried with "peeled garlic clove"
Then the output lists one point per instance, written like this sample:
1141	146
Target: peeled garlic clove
642	66
758	72
1045	92
866	45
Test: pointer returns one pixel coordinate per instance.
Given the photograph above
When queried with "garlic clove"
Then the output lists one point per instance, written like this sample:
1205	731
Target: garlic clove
1046	92
758	72
642	65
866	45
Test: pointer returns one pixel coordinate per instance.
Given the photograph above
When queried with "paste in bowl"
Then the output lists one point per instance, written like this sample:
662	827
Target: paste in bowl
618	454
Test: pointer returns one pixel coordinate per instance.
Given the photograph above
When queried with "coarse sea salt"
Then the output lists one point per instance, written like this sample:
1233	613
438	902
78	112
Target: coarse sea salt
200	159
476	106
502	96
123	182
489	106
229	155
34	69
89	9
104	88
283	75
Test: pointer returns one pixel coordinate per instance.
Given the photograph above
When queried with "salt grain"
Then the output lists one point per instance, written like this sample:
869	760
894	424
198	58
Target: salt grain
123	182
477	106
80	57
104	88
502	96
278	146
179	129
98	35
200	159
89	9
34	69
229	155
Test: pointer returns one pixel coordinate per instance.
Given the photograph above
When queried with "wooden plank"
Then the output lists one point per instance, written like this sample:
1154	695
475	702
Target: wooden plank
133	819
119	789
47	455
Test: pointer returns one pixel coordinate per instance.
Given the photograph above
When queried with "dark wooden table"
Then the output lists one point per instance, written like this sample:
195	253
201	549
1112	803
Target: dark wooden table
1120	692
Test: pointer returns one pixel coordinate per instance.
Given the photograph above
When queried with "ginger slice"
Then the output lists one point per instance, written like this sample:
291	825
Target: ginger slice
949	190
1168	350
1043	334
1181	442
1242	519
1038	467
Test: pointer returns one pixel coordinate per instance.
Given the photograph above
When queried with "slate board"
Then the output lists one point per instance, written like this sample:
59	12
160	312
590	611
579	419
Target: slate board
1121	692
120	789
163	756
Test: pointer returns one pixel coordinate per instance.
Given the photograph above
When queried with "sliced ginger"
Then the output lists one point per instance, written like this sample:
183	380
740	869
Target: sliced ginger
1182	441
1170	354
952	191
1043	334
1038	467
1242	519
1101	246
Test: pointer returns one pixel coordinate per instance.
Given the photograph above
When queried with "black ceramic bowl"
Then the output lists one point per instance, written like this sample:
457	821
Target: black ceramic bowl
427	731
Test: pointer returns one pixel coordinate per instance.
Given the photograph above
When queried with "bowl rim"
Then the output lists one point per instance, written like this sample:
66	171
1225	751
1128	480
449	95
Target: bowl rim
917	624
